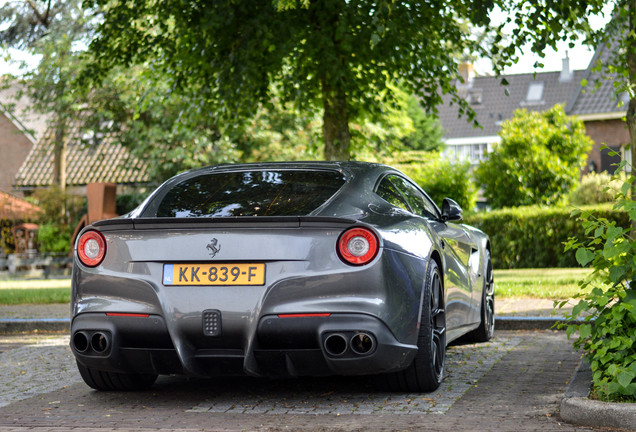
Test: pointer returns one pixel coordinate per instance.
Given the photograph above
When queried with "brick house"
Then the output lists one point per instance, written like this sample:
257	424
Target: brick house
19	131
603	114
494	102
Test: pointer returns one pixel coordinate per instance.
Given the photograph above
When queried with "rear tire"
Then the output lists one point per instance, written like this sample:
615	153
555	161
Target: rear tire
114	381
426	372
486	328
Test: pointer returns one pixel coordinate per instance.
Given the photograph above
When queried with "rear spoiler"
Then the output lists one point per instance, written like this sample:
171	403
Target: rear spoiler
224	222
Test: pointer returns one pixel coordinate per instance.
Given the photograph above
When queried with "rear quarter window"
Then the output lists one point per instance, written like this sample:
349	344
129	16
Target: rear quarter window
249	193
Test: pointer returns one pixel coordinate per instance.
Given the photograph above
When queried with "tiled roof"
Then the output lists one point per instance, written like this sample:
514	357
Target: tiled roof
15	106
590	100
86	162
15	208
498	101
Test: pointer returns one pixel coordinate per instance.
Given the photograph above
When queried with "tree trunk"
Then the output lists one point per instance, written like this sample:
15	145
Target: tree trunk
335	124
59	156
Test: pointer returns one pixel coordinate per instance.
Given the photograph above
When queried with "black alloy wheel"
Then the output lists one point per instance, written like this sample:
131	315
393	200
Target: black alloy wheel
486	329
426	372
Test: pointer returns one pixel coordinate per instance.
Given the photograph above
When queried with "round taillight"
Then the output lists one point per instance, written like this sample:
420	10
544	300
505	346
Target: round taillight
358	246
91	248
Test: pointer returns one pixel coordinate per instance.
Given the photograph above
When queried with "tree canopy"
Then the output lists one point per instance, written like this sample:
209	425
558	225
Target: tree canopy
336	56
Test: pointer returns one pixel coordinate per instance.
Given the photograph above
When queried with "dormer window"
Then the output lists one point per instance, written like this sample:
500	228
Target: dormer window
535	92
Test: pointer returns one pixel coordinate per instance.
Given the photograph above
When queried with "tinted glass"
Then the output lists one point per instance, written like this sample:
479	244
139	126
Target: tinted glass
388	192
400	192
252	193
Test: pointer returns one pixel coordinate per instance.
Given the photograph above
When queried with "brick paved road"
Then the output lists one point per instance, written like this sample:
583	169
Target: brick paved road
511	384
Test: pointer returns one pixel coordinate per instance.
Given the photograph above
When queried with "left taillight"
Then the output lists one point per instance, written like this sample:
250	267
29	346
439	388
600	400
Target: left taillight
358	246
91	248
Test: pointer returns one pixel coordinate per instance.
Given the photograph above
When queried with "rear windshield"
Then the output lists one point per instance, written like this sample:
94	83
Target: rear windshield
252	193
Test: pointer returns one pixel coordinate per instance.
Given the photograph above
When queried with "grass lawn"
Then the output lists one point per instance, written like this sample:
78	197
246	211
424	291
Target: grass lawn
35	291
552	283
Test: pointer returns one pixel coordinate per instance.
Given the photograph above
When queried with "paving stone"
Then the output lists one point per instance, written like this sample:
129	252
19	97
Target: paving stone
511	384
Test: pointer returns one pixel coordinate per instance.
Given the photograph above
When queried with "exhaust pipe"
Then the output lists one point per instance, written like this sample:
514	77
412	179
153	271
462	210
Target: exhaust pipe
335	345
80	341
100	342
362	343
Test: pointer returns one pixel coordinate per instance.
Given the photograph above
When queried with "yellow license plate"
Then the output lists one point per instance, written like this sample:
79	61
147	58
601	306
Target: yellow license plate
214	274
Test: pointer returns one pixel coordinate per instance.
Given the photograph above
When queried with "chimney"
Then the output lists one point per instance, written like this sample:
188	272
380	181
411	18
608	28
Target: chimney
467	72
566	72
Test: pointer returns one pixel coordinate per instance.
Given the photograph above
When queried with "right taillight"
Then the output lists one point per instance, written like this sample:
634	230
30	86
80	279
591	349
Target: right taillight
91	248
358	246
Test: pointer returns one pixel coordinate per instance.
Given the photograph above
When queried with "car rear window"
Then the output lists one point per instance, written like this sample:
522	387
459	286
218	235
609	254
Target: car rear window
250	193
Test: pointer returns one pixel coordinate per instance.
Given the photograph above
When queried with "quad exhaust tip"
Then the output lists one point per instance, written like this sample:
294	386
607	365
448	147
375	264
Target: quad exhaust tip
96	342
80	341
338	344
362	343
100	342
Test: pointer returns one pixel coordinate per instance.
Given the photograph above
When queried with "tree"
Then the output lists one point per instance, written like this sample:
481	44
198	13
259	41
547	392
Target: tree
540	25
538	160
339	56
50	29
427	132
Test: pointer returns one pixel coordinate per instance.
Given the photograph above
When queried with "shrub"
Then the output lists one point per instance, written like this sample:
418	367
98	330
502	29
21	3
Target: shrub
538	160
53	238
595	188
529	237
608	331
7	243
61	212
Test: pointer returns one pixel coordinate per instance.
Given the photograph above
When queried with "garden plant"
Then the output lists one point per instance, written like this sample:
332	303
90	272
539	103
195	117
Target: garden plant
607	304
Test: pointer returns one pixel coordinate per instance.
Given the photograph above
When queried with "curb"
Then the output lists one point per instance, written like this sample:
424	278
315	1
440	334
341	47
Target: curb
576	408
20	325
528	323
8	326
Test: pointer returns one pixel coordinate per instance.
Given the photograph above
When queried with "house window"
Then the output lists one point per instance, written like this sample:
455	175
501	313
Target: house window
535	92
474	153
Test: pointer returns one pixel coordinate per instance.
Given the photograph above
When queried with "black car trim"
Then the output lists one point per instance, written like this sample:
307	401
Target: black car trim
229	222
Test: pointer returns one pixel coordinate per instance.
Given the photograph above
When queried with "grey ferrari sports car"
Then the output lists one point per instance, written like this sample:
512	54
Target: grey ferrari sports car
280	269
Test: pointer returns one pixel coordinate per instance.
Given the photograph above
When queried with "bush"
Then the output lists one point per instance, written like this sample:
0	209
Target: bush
594	189
538	160
439	177
608	332
53	238
533	237
7	243
61	212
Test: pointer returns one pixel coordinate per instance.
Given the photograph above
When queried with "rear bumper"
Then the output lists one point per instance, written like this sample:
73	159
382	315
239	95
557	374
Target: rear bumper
338	344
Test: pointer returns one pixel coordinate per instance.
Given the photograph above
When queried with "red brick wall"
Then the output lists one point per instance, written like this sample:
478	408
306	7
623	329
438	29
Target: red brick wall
14	148
612	133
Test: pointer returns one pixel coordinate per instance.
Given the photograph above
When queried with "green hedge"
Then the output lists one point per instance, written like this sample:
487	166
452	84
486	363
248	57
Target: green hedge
532	237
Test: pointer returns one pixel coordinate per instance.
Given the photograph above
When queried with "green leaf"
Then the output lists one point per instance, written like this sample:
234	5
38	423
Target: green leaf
617	273
585	330
625	378
584	256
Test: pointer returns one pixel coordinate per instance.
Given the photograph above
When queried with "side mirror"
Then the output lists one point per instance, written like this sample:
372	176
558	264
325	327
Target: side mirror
451	211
